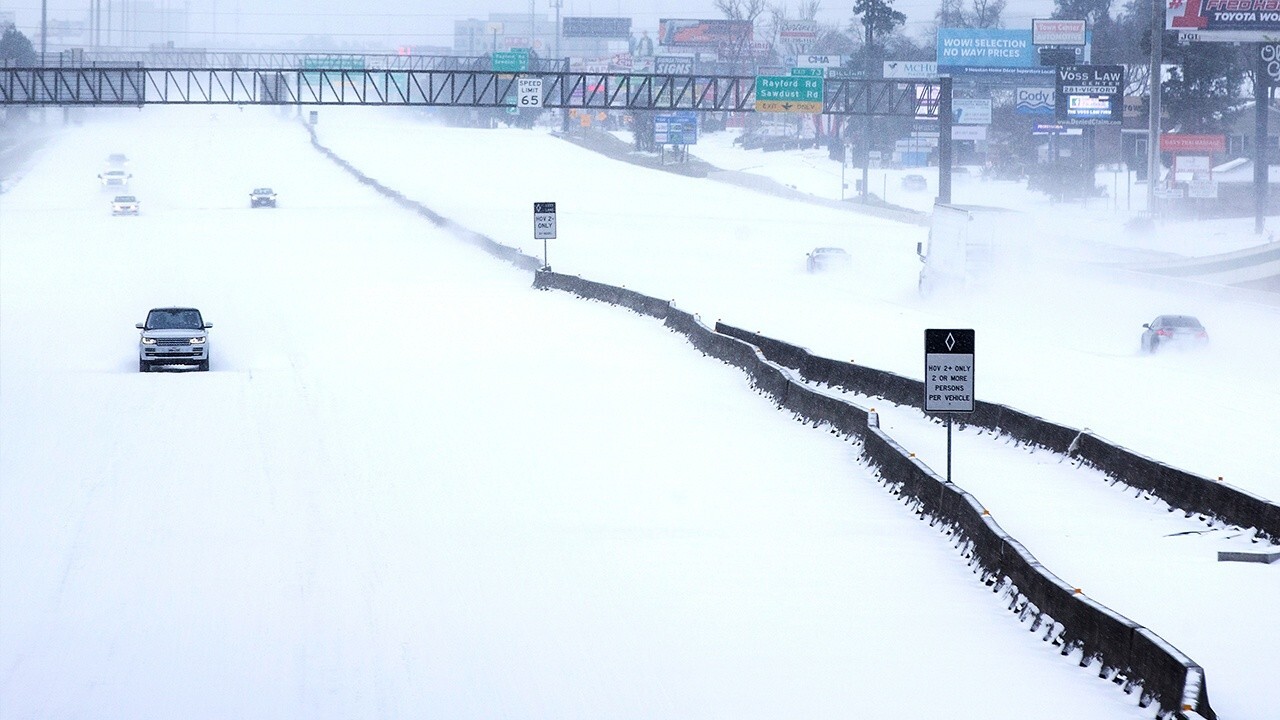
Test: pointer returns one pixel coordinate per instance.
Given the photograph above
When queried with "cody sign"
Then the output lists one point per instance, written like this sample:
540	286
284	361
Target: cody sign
1034	101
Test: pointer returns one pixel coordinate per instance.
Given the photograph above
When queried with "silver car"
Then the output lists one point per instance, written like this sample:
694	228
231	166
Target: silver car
173	336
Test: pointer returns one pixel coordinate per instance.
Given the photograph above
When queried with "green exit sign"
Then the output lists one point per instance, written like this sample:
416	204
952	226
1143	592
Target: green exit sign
509	61
808	72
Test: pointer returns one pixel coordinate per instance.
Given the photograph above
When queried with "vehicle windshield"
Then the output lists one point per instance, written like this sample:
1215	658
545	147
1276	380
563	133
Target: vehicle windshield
262	191
174	319
126	198
1181	321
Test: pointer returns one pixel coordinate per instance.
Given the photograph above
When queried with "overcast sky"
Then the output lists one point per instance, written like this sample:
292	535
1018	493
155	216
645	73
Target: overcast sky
429	22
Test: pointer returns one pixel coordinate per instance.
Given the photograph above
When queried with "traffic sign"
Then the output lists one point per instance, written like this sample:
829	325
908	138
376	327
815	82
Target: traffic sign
948	370
509	61
788	94
529	92
544	221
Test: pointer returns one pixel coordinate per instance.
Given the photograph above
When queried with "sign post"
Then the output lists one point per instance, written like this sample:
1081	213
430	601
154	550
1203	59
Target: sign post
544	227
948	376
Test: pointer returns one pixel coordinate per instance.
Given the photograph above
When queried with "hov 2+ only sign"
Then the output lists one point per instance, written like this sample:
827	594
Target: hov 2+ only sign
544	221
948	370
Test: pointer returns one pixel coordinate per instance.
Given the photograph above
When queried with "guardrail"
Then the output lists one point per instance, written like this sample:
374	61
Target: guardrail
1129	654
1191	493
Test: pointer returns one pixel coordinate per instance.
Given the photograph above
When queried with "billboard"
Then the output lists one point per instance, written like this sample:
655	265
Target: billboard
1089	94
798	29
704	33
971	111
1034	101
963	51
596	27
1187	143
1224	20
1057	32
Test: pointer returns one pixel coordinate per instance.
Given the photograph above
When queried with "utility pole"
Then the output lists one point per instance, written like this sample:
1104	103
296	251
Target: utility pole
1153	106
1261	154
556	4
44	29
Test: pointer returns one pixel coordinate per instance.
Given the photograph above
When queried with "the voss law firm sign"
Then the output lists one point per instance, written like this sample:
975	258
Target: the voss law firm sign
988	52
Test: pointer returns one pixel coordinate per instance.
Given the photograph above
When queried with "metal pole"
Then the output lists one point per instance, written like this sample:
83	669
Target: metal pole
948	447
1260	160
44	29
556	4
545	265
1153	120
944	141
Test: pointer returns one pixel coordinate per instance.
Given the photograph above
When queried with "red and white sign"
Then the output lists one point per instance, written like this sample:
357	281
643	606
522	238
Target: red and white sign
798	29
1198	144
1058	32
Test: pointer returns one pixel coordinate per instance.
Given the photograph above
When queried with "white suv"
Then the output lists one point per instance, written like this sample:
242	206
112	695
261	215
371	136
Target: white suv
173	336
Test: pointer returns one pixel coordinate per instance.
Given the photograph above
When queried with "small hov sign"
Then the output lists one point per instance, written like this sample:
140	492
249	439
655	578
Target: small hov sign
544	221
948	370
530	92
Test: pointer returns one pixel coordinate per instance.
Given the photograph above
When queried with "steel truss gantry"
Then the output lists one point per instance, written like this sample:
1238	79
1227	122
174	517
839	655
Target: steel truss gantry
136	86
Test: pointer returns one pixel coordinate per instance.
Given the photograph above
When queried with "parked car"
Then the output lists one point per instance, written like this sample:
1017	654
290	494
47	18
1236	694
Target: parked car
114	178
173	336
262	197
828	258
124	205
1173	330
914	182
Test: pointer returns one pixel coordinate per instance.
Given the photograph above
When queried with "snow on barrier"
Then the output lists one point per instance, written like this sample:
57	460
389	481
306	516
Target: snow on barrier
1192	494
489	245
1126	653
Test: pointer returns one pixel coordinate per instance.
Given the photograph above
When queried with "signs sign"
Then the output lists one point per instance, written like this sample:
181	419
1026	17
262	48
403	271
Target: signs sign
1057	32
910	70
1089	94
597	27
948	370
1198	144
673	65
529	92
788	94
1034	101
544	221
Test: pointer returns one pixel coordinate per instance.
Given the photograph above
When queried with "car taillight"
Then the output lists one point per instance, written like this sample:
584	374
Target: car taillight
1164	333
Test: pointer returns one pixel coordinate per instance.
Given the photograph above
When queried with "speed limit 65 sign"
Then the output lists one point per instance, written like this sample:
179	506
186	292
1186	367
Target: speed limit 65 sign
529	92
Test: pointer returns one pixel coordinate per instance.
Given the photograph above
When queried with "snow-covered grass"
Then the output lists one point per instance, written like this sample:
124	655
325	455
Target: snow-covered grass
412	485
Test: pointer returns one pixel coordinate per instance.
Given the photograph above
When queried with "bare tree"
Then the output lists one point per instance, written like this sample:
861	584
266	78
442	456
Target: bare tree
742	9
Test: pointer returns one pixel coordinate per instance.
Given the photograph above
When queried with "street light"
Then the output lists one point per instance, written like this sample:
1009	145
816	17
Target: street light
556	4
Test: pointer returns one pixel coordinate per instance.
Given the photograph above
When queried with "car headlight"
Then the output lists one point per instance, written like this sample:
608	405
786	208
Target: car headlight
148	341
196	341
